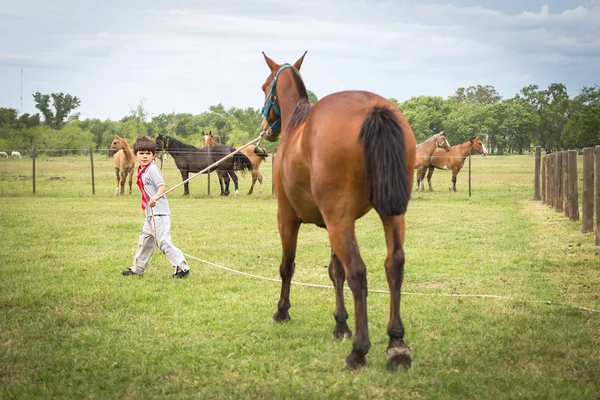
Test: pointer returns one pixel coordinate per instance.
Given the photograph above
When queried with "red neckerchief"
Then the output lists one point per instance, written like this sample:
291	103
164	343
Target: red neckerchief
140	184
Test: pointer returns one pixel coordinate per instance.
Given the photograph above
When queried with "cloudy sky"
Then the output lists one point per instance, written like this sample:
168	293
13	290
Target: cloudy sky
185	55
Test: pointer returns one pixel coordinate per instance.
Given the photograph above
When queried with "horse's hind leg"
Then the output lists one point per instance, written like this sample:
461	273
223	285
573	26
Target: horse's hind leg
260	187
288	232
235	182
254	173
429	173
398	353
343	244
340	314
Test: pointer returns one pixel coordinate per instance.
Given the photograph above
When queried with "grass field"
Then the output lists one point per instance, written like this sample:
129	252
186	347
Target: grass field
72	327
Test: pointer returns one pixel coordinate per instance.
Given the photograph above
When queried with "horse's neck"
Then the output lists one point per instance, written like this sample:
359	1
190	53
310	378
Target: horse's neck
128	152
464	148
428	146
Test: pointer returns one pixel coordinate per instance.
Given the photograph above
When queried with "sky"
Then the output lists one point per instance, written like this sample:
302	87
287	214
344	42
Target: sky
184	56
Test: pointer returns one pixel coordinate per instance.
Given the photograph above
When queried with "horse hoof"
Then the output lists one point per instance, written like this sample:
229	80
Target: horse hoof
398	357
342	331
280	317
354	362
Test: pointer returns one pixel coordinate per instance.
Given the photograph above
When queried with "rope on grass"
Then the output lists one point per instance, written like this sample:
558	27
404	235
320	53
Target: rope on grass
483	296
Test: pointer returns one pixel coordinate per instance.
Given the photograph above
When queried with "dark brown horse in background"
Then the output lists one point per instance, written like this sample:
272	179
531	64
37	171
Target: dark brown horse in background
190	159
425	151
124	163
351	152
256	155
452	160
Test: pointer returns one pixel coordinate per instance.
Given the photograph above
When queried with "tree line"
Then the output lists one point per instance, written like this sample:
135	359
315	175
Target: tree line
533	117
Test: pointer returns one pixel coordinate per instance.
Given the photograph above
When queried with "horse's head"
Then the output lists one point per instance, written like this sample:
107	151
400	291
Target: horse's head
271	125
442	142
162	142
478	145
208	140
117	144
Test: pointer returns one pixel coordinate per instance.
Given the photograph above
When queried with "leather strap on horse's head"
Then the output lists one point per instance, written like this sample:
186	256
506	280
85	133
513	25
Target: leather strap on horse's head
271	102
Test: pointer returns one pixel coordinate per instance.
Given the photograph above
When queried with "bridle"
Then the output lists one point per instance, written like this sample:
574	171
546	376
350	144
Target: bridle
271	102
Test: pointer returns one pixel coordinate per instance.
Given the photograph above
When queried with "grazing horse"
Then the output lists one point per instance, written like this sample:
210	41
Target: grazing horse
3	154
124	163
453	159
254	153
15	154
425	151
192	159
350	152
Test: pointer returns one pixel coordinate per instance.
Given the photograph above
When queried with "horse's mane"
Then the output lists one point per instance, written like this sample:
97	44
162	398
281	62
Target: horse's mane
179	143
302	110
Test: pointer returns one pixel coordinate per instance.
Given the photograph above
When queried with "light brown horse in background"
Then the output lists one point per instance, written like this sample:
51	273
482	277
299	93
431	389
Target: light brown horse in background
256	155
425	151
452	160
124	163
349	153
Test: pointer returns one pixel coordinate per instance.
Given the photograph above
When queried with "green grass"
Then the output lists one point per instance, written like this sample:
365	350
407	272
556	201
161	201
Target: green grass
72	327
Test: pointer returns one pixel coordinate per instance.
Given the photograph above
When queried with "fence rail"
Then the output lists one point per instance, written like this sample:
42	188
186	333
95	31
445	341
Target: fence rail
558	185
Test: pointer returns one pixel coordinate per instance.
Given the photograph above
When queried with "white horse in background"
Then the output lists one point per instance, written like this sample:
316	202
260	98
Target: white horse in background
3	154
15	154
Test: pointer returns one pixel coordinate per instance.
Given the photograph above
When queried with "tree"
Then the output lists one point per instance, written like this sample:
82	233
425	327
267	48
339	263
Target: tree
425	114
482	95
312	98
552	106
63	104
582	129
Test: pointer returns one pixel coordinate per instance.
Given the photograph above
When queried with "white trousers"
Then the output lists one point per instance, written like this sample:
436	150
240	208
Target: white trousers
147	244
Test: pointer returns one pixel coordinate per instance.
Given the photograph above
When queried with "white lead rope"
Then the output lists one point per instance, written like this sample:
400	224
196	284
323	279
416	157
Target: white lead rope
484	296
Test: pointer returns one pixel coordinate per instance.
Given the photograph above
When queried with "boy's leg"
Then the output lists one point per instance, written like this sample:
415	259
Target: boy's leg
163	235
145	248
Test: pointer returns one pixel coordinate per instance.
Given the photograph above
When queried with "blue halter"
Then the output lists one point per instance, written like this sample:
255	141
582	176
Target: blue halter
270	101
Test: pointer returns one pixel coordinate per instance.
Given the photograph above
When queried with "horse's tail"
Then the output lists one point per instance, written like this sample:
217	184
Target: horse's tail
385	158
241	163
261	152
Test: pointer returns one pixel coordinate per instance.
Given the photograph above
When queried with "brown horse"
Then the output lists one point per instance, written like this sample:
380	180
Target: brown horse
124	163
254	153
425	151
351	152
453	159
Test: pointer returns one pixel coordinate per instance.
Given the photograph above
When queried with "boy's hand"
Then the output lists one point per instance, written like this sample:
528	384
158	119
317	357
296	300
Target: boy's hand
153	201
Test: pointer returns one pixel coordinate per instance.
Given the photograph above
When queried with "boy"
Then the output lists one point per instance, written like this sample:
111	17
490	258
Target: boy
156	229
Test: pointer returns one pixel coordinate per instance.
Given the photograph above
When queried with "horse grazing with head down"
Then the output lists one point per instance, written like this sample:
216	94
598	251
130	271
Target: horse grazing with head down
256	155
425	150
124	160
349	153
452	160
189	158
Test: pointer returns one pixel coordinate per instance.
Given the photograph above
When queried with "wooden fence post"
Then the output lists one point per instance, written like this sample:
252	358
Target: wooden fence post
558	192
208	184
551	165
573	201
587	210
565	183
544	179
92	165
33	166
536	180
597	151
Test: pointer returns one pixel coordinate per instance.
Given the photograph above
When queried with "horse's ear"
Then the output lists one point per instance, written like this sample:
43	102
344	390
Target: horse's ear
210	133
272	64
203	133
298	63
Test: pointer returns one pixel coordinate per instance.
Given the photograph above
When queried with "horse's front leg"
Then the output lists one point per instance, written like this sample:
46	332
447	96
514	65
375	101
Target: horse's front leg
288	232
122	182
184	176
118	181
340	314
454	173
253	182
260	179
130	181
220	176
398	353
343	243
